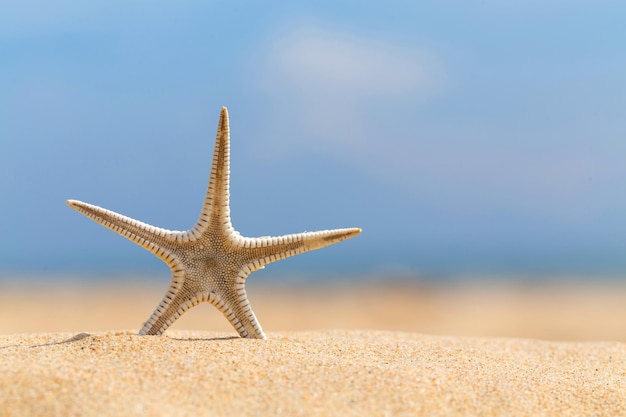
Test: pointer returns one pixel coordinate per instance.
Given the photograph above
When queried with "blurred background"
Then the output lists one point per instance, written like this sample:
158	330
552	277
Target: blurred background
476	143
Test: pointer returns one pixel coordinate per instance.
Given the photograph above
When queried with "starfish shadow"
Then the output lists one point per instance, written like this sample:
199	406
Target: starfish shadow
206	339
75	338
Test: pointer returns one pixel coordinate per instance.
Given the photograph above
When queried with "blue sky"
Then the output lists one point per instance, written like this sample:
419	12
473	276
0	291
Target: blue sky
473	137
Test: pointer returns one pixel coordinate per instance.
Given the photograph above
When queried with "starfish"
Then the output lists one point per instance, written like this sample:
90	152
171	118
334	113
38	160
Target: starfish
211	261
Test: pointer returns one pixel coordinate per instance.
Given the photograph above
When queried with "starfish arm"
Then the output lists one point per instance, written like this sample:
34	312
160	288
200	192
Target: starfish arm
215	214
271	249
238	310
177	301
153	239
173	305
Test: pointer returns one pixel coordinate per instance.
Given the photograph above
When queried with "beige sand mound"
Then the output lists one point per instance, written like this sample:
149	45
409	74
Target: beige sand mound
342	373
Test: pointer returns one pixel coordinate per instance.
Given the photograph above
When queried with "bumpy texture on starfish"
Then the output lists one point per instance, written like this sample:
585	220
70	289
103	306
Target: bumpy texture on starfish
211	261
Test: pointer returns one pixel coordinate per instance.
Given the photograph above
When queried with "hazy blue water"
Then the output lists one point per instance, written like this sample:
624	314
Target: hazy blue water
349	263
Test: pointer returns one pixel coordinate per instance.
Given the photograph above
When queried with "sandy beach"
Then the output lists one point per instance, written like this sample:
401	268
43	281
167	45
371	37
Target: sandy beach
338	350
329	373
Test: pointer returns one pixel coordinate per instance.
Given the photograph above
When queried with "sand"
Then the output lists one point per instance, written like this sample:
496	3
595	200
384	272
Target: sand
408	350
325	373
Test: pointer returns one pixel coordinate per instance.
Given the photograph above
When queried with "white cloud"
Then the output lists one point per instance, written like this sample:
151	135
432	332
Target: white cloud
322	82
313	58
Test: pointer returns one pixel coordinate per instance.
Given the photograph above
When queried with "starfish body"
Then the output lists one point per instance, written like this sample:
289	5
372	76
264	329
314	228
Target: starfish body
211	261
